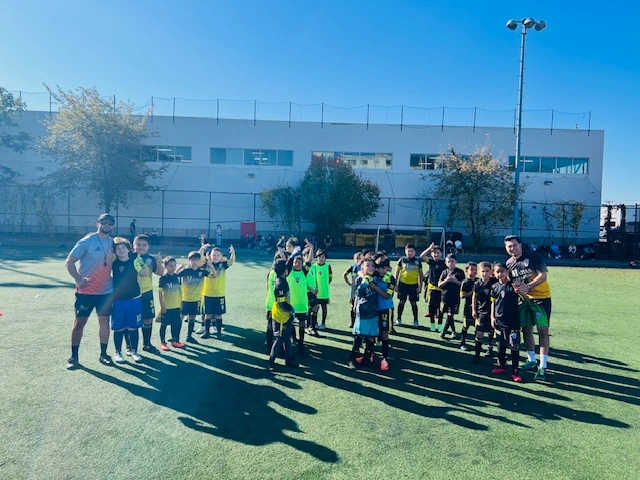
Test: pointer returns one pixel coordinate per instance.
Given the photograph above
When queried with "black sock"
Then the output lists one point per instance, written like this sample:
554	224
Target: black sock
300	335
74	350
126	339
463	334
370	348
353	317
314	320
515	361
355	350
190	327
478	347
175	330
163	333
103	349
400	309
146	335
219	325
492	336
117	340
324	313
440	317
385	349
502	356
207	325
134	336
414	310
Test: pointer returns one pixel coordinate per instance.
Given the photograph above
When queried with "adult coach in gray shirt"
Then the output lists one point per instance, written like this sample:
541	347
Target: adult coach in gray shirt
94	285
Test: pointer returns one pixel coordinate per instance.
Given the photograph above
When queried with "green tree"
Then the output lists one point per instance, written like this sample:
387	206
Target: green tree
480	192
97	144
282	204
9	108
568	216
330	195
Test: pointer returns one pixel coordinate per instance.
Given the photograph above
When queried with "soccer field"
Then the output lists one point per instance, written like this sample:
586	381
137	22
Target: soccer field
213	411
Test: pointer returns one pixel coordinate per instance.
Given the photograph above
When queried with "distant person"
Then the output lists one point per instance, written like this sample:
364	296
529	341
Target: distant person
132	230
219	235
533	246
328	241
573	250
555	250
94	286
314	242
154	236
458	245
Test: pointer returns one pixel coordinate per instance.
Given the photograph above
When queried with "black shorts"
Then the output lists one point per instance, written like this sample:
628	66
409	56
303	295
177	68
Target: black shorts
302	319
190	308
450	308
385	319
434	297
510	338
214	306
323	301
313	300
171	316
268	317
407	291
86	303
483	324
148	308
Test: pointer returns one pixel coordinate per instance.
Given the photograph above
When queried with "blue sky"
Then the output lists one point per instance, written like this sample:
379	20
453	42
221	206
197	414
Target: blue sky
346	53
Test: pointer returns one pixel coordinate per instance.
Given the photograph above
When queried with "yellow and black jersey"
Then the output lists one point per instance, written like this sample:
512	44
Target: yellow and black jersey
410	270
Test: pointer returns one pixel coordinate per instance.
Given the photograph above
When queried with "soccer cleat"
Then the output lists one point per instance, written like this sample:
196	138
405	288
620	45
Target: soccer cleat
384	365
118	358
148	348
322	326
205	335
164	347
426	315
499	370
541	374
200	331
398	322
453	335
72	363
464	348
177	344
433	327
516	378
127	351
105	360
359	360
351	364
190	339
529	366
415	323
136	356
440	327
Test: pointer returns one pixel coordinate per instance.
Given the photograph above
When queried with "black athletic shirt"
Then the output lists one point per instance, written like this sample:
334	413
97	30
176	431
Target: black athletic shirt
483	296
125	279
505	300
451	290
435	270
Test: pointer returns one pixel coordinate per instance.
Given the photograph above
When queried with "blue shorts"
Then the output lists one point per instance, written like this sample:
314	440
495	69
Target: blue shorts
126	314
366	327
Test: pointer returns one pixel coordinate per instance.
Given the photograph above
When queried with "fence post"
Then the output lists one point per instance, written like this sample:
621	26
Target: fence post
442	127
255	112
68	211
173	117
114	104
589	127
20	98
209	219
388	211
162	220
217	111
401	116
254	206
289	114
322	116
474	119
152	109
50	102
367	116
552	112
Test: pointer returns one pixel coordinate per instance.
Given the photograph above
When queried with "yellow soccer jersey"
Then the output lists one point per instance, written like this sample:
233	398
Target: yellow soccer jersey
410	270
193	284
216	287
170	287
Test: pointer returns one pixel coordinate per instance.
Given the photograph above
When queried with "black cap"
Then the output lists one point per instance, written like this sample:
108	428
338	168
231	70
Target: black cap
106	216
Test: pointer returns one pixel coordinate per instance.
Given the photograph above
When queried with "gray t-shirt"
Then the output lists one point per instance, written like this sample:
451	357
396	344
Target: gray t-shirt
95	263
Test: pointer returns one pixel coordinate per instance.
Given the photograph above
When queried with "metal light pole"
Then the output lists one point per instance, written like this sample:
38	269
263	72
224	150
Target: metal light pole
538	25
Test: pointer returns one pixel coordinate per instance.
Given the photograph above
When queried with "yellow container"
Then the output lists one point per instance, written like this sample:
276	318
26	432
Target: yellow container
349	239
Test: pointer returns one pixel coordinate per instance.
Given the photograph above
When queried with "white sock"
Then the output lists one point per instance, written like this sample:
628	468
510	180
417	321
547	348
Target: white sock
532	355
544	358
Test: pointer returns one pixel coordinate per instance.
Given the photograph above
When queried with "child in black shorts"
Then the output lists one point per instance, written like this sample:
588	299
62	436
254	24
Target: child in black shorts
450	281
481	309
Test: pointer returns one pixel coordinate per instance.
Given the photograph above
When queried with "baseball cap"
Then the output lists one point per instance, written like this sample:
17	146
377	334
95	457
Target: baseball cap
106	216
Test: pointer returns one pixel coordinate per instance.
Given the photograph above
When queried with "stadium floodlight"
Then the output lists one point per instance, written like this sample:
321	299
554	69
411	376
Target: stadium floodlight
538	25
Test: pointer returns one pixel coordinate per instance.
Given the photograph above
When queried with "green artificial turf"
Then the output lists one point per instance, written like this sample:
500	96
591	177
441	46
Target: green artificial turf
214	411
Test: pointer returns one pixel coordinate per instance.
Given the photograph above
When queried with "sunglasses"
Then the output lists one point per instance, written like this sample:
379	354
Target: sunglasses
111	224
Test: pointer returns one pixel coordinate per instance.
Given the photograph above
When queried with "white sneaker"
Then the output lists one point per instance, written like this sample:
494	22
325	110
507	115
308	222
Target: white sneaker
398	322
118	358
136	356
453	336
200	331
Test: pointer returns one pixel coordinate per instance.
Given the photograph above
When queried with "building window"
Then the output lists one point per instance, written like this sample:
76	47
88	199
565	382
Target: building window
251	156
563	165
430	161
165	153
361	160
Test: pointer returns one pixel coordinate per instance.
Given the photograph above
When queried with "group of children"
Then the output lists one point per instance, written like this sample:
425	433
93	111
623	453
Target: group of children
491	303
183	291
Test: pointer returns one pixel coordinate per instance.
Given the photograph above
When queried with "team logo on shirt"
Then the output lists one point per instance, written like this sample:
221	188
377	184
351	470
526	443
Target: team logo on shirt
526	262
121	268
297	279
502	294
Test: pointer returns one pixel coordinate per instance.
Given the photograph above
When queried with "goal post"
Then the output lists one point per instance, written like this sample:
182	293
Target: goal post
422	231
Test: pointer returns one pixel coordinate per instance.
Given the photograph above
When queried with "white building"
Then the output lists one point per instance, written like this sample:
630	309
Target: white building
233	157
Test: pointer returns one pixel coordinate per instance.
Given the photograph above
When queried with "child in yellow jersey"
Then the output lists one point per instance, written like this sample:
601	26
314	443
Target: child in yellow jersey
214	289
299	288
268	305
322	277
169	296
154	263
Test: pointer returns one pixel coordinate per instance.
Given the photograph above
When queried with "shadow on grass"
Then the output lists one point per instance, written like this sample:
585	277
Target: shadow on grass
432	370
214	400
